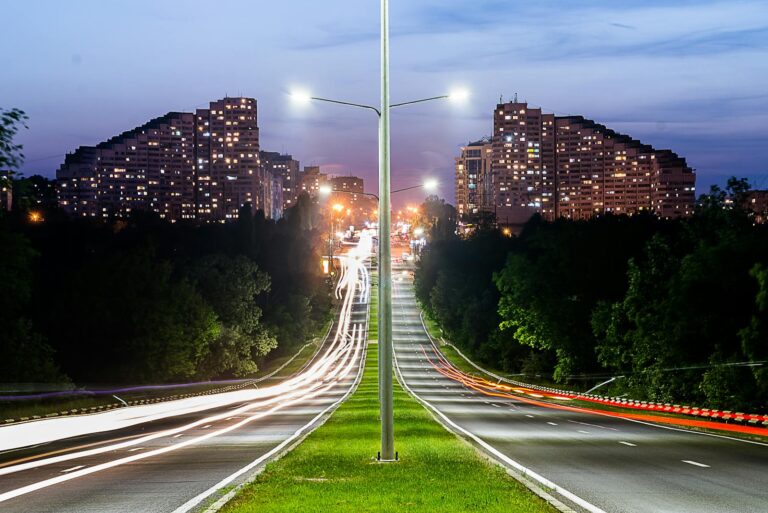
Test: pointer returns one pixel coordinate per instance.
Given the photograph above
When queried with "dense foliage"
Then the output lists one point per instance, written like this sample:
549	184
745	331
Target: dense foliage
144	300
677	309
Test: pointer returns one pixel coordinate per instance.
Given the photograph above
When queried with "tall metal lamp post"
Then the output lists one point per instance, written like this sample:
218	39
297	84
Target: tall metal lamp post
384	255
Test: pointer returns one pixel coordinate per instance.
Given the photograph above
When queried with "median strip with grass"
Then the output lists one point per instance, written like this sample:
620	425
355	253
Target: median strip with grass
334	469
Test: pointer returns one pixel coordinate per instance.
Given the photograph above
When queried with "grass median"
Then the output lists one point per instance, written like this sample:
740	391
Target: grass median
333	469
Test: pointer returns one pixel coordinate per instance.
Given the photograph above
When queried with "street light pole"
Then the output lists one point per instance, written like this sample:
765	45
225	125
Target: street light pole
385	259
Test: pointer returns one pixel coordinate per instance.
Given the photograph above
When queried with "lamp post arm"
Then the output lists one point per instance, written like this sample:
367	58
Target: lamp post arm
350	104
408	188
420	101
377	111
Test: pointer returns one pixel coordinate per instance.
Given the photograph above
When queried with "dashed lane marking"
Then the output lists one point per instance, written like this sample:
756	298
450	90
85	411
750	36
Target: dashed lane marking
695	463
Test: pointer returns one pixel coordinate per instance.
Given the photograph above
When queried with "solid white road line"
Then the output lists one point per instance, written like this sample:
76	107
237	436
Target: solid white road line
695	463
192	503
529	416
177	436
501	456
629	444
551	423
583	432
135	449
73	468
495	452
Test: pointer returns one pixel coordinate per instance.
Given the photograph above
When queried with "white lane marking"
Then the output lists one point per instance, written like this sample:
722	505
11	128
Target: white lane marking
529	416
630	444
498	454
177	436
496	405
73	468
593	425
206	426
551	423
695	463
486	402
194	501
135	449
583	432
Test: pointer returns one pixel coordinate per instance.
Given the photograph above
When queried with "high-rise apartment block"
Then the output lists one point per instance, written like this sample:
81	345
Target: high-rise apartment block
472	167
572	167
203	165
286	170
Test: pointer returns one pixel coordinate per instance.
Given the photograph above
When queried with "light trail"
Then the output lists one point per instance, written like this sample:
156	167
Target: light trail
491	389
320	377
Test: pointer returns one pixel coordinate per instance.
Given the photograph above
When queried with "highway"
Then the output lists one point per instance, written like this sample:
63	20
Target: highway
597	463
177	456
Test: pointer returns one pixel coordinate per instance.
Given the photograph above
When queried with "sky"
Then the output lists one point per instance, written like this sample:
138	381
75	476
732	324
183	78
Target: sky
686	75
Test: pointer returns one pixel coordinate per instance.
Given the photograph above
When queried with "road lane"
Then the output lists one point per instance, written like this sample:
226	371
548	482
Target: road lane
610	463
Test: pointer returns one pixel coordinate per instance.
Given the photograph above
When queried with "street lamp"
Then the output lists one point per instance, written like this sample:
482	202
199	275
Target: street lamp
385	258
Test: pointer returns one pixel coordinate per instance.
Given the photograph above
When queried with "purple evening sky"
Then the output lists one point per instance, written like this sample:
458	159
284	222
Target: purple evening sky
685	75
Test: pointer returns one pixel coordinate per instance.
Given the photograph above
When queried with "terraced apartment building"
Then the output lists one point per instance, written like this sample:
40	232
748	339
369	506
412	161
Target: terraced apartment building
203	165
571	167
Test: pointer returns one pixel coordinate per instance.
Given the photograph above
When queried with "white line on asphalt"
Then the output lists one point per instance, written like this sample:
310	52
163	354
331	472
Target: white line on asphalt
551	423
496	405
500	455
695	463
593	425
529	416
71	469
177	436
630	444
190	504
583	432
135	449
206	426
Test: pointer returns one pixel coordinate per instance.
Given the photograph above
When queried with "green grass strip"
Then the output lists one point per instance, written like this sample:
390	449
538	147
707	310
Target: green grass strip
333	469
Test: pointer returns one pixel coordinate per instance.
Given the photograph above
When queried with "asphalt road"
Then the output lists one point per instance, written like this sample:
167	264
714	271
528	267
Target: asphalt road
609	464
176	463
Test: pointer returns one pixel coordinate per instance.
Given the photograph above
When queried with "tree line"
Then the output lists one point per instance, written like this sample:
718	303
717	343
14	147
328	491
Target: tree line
144	300
675	310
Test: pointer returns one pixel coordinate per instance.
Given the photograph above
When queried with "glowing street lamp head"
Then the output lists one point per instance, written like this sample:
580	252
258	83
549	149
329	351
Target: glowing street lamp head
324	190
338	207
300	97
459	95
430	184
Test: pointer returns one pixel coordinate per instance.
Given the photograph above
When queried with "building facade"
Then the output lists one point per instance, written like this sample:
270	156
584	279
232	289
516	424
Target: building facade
287	169
203	165
571	167
472	167
312	179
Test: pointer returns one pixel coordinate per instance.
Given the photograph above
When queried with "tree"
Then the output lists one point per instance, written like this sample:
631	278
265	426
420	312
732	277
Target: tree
11	155
754	337
25	356
231	285
126	317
